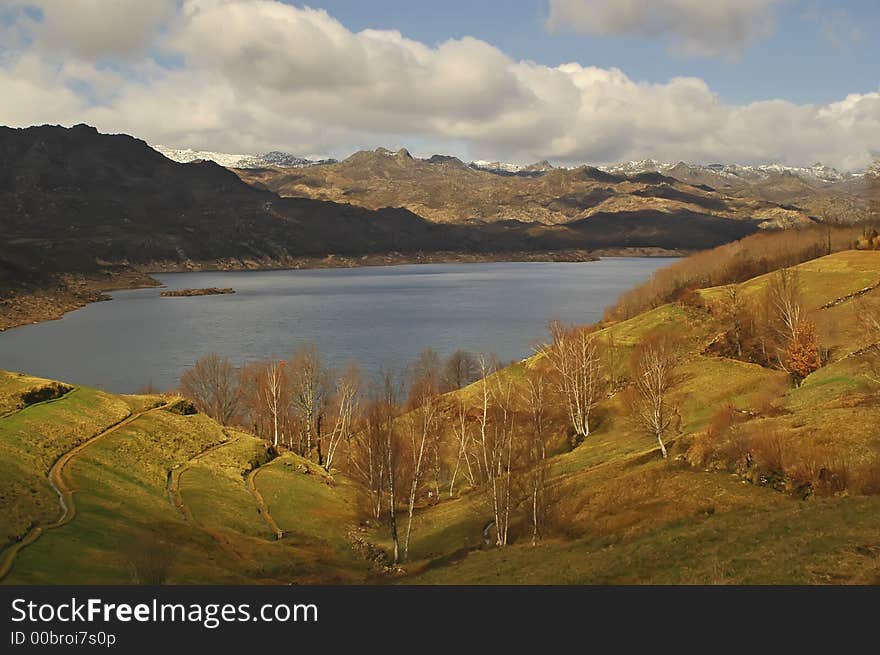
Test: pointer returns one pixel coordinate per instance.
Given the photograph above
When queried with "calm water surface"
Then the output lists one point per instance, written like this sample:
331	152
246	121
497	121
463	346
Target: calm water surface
379	316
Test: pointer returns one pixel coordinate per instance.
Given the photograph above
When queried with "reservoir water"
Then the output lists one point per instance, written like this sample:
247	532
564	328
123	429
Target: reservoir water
378	316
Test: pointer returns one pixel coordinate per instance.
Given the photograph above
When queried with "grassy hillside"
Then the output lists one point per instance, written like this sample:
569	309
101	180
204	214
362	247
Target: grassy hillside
621	514
154	494
767	482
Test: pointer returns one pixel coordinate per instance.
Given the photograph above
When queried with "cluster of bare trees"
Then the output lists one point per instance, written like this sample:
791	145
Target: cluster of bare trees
771	329
407	441
416	443
387	433
501	444
300	404
574	354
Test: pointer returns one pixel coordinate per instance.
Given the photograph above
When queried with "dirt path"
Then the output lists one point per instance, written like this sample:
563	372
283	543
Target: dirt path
173	484
261	503
65	493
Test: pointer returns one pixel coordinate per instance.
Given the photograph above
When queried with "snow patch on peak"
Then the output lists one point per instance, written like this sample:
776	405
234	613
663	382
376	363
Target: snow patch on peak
229	160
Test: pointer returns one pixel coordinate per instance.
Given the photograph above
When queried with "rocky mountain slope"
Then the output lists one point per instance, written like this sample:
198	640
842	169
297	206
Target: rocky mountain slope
75	200
444	189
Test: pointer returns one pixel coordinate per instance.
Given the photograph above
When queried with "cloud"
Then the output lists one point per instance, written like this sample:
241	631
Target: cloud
693	27
95	28
258	75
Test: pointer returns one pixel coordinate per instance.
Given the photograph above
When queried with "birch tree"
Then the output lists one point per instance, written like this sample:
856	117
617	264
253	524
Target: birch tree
271	388
574	355
309	391
344	410
463	440
785	303
387	411
423	430
367	458
655	361
495	443
534	398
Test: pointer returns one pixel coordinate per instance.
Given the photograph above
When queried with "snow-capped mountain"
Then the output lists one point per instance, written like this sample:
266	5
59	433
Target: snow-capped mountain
816	173
274	158
504	168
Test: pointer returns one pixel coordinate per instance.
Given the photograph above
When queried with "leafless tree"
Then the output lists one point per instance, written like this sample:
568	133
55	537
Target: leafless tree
344	407
213	385
496	445
785	303
460	369
654	365
734	312
378	460
266	394
574	355
422	419
463	441
309	382
535	398
367	454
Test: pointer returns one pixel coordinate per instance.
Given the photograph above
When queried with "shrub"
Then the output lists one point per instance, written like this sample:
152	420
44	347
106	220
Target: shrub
803	355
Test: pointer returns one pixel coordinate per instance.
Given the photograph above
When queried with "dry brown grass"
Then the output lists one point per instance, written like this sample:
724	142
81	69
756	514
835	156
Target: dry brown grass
734	262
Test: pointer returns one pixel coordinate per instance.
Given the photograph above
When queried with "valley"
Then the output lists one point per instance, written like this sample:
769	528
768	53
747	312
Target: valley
761	484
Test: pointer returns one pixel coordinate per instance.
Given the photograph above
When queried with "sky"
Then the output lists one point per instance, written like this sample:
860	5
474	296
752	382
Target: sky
571	81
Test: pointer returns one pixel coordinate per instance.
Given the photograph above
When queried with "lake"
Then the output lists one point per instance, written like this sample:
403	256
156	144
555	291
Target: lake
379	316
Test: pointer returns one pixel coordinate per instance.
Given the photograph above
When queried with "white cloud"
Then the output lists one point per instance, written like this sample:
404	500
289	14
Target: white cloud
256	75
95	28
694	27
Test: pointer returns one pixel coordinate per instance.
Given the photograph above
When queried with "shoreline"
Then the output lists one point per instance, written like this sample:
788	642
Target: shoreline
71	291
401	259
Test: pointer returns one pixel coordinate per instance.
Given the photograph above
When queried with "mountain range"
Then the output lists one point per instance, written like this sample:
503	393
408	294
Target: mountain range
444	189
729	173
78	200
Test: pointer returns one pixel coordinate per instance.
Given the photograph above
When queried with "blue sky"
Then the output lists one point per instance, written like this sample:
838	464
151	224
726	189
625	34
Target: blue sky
800	61
571	81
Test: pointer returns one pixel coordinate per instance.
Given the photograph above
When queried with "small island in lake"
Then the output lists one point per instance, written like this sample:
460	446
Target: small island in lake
211	291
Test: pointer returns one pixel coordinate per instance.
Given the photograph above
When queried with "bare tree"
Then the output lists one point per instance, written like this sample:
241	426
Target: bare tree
574	355
377	459
496	444
460	369
654	366
734	311
463	440
344	409
271	393
423	429
367	454
213	385
309	390
785	303
387	408
535	398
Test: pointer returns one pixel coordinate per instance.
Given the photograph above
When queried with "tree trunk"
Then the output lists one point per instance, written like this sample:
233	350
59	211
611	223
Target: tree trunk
662	446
